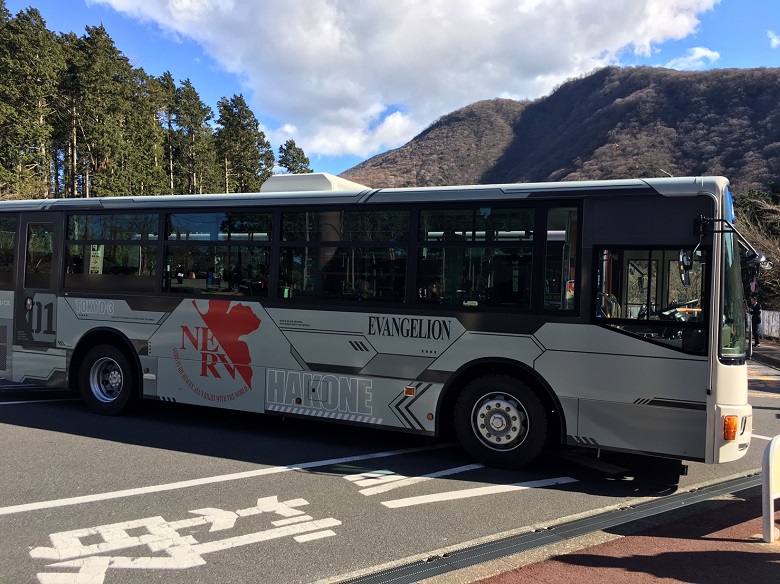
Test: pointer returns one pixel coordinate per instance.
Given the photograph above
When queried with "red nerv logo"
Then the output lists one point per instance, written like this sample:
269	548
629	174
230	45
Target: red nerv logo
219	341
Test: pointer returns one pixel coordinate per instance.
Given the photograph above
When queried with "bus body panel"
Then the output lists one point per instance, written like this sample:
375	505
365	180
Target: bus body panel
390	367
732	401
662	431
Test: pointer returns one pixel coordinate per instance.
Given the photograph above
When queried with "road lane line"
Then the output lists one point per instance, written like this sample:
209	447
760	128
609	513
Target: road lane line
760	437
205	481
405	482
476	492
39	401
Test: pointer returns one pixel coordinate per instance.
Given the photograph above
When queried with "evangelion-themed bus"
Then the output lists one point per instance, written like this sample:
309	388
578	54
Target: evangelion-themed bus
604	314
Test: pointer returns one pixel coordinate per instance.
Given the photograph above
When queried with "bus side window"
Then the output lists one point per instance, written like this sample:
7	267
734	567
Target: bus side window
8	227
639	291
560	258
40	247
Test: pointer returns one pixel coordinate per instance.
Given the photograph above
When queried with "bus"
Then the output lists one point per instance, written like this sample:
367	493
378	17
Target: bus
607	315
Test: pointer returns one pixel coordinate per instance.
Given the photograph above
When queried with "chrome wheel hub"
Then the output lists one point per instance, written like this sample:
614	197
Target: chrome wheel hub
105	380
500	421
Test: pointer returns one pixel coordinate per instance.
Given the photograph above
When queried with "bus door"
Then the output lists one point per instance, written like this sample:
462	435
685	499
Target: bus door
38	258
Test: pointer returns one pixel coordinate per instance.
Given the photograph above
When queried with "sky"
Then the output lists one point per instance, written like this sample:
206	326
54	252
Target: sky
348	79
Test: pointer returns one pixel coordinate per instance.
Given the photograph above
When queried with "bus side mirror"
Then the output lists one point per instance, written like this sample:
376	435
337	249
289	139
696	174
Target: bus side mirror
684	264
756	257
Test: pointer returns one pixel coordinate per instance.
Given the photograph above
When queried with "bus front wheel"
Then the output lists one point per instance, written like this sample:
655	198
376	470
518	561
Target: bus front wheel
107	380
500	421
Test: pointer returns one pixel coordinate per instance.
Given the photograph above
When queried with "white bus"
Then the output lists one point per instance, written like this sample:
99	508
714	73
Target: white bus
607	315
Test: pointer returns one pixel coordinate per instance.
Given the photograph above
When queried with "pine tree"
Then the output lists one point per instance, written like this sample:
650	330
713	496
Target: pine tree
193	147
144	161
97	92
293	158
245	155
105	91
30	62
166	110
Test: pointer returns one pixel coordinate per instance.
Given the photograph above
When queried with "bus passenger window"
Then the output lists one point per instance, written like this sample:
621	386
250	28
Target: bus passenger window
116	251
217	269
130	267
560	258
475	258
218	253
374	274
344	255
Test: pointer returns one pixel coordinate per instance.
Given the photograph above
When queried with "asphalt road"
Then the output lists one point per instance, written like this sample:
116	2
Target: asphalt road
178	494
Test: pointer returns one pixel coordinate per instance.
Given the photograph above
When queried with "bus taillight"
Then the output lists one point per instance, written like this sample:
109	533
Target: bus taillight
730	427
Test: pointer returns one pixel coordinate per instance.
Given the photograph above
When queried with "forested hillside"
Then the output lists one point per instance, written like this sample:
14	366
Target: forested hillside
614	123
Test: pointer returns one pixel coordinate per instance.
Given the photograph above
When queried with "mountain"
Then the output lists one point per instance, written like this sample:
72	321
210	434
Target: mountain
614	123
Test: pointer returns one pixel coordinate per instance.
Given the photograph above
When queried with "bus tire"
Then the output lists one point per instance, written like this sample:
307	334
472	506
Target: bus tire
501	422
107	380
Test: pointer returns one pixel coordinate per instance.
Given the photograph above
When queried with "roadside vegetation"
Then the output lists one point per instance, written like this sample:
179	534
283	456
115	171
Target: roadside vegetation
77	119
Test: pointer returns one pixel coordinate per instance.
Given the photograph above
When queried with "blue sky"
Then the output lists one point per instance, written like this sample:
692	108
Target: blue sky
347	79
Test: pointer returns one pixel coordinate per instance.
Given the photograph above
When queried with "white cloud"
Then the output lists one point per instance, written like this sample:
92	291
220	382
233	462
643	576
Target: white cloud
695	59
362	76
774	40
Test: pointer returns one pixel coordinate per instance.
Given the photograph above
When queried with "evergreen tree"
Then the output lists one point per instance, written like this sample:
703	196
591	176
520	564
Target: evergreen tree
67	128
293	158
194	149
30	62
166	110
97	90
245	156
5	15
143	163
105	86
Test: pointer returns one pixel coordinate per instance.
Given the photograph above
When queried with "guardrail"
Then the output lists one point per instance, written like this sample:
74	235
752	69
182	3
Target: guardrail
770	323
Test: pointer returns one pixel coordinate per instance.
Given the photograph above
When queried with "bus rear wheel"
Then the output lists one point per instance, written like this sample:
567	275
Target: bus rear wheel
107	380
500	421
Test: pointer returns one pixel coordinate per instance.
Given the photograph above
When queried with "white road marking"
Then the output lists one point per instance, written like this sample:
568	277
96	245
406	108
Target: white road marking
39	401
160	537
374	477
477	492
291	520
204	481
405	482
315	535
760	437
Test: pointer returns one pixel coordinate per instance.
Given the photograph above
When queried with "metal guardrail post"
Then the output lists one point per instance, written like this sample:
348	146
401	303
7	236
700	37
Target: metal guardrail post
771	487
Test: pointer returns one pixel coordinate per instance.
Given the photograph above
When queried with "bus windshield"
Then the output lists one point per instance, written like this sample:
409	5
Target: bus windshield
732	338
